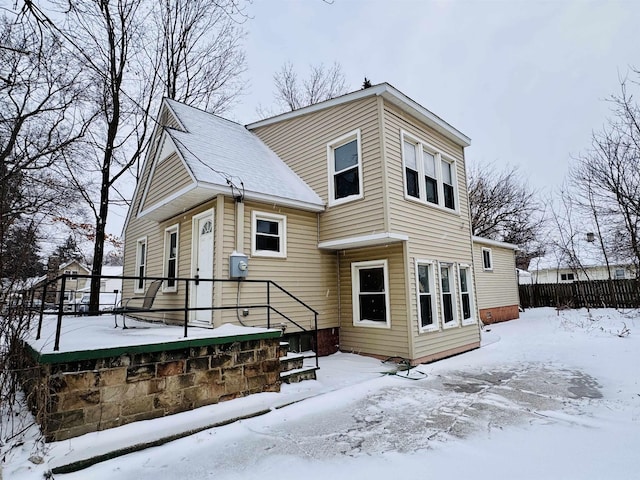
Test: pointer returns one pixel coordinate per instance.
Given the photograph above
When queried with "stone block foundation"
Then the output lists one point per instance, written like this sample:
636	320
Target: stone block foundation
74	396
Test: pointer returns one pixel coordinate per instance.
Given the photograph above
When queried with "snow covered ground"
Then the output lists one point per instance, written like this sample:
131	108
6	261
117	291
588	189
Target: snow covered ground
547	396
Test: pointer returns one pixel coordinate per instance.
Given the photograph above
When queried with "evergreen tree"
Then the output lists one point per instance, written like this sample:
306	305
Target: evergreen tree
68	251
20	252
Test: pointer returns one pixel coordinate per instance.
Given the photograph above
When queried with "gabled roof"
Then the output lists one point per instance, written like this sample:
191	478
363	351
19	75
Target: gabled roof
389	93
217	151
70	262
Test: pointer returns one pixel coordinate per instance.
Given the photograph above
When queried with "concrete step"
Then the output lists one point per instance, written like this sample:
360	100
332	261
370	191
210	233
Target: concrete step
283	349
291	361
298	375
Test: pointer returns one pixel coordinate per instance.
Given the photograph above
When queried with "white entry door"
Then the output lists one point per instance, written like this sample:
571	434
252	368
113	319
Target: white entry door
202	267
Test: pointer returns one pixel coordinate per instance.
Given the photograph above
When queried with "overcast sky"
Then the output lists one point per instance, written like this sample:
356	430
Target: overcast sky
526	80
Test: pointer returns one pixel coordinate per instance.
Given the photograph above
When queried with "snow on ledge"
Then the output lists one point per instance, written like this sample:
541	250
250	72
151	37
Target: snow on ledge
96	333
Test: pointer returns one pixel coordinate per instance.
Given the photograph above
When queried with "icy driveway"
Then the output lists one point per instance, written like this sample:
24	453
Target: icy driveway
405	418
551	397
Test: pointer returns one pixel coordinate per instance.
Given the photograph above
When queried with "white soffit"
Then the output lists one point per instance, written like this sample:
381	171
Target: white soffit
364	241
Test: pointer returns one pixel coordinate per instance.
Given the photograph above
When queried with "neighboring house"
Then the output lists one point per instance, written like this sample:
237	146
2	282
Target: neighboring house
524	277
563	274
357	205
496	280
111	285
74	286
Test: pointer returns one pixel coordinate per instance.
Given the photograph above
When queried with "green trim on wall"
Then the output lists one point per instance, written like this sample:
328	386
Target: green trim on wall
63	357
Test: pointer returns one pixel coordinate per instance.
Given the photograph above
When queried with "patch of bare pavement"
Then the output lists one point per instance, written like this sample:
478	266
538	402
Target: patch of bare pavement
414	415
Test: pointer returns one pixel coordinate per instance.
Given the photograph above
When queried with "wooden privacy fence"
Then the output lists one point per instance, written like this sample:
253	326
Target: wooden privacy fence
594	293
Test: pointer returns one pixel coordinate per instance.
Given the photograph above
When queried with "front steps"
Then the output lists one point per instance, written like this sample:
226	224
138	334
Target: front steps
292	367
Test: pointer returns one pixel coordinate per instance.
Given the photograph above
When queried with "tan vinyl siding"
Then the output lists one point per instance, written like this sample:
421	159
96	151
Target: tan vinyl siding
306	272
435	234
141	227
302	143
497	287
169	176
385	342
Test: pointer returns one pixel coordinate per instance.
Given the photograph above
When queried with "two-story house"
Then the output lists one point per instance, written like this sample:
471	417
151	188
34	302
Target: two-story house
357	206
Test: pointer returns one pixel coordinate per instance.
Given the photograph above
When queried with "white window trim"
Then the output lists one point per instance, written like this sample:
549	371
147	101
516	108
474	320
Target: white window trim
140	241
434	304
331	146
355	293
454	298
282	230
439	157
490	267
472	305
165	258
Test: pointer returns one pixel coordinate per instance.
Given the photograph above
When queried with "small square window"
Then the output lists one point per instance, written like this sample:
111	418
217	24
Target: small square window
619	275
345	169
269	236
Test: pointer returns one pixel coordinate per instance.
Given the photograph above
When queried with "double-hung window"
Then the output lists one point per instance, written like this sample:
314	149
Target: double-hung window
466	294
487	259
171	258
429	176
345	168
412	176
269	236
370	293
426	296
448	188
141	263
447	295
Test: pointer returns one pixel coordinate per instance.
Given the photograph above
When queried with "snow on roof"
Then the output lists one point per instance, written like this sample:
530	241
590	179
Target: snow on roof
216	149
112	270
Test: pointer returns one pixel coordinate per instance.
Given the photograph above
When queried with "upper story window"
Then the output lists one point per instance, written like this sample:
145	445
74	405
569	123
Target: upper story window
430	177
73	274
141	262
487	259
269	235
171	258
370	293
345	168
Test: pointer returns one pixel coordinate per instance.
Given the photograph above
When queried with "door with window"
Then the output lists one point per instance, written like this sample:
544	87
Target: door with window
202	267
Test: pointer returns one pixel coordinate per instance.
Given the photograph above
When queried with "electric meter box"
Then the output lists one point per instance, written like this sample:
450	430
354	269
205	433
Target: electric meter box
238	265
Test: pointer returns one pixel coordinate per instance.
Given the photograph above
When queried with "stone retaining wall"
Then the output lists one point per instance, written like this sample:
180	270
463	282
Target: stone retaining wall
77	397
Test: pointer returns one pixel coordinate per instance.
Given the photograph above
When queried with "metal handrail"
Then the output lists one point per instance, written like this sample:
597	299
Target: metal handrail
186	309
